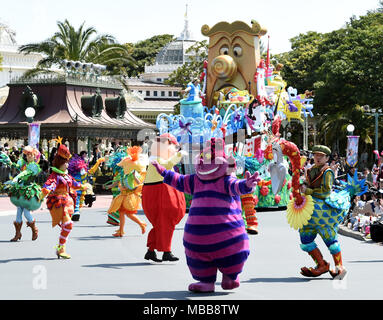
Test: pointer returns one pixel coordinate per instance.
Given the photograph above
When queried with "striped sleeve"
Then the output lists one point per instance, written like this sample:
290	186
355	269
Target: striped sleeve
236	187
183	183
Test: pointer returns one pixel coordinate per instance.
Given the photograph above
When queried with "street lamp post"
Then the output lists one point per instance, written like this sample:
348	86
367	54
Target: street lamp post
376	114
350	129
30	113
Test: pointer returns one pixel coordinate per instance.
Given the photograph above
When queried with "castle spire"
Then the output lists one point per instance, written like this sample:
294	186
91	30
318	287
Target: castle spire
186	34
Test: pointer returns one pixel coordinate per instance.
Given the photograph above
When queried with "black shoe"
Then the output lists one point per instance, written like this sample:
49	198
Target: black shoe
76	217
168	256
151	255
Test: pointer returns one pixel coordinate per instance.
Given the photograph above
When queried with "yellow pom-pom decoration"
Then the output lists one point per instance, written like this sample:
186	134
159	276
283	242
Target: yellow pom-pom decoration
298	216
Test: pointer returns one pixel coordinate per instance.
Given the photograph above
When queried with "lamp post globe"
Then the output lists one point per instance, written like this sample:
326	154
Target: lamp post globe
30	113
350	128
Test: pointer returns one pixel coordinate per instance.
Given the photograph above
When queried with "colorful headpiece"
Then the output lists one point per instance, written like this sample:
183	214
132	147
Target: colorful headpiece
32	151
134	152
63	152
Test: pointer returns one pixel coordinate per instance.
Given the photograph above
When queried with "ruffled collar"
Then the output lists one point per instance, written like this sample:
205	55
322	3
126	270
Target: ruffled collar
54	169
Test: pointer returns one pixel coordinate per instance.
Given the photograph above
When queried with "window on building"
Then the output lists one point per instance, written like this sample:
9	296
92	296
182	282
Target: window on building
162	93
170	93
155	93
176	94
147	93
159	79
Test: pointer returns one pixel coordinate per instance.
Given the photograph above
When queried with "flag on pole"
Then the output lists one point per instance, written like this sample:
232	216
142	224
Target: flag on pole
34	135
352	151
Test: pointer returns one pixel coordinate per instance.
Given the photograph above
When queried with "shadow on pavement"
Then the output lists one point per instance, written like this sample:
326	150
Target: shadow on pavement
366	261
119	265
287	280
95	238
95	226
173	295
26	259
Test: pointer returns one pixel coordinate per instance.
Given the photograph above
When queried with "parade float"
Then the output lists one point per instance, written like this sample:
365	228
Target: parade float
240	99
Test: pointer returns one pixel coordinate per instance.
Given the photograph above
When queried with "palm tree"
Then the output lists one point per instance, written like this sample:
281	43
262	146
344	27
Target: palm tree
78	45
333	127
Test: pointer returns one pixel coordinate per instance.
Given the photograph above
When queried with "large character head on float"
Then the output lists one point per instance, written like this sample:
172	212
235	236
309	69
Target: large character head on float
233	57
213	163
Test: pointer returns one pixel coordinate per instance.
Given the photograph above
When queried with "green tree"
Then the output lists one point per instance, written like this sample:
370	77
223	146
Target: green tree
1	62
144	52
82	44
344	69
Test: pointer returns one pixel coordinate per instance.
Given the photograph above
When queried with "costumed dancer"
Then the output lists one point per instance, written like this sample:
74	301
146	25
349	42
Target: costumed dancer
24	193
112	162
315	209
78	169
215	237
130	185
163	205
249	201
60	189
325	218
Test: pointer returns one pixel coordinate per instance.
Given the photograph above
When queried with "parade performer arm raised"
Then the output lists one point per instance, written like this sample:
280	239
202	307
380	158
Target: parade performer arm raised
130	185
163	205
215	237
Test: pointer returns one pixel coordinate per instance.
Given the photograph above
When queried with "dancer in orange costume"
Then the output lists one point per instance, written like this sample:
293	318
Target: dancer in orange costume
130	185
60	188
163	205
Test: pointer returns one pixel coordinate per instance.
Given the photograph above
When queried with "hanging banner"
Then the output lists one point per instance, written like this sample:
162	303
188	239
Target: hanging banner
34	135
352	151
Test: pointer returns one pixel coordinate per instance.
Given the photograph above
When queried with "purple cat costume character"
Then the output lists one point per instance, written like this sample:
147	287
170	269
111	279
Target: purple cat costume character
215	237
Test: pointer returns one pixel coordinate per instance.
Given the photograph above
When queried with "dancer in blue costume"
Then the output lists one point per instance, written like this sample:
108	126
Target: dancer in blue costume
330	209
78	169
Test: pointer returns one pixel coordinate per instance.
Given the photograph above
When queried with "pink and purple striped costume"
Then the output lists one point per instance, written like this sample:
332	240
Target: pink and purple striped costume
215	237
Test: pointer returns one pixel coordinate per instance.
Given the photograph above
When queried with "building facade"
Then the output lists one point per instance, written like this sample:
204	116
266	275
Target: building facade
14	64
149	96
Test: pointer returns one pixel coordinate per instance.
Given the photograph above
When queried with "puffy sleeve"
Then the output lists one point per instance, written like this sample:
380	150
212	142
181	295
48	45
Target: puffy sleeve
50	185
169	164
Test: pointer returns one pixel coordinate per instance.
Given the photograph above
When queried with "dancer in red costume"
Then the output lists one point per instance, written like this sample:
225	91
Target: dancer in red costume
163	205
60	189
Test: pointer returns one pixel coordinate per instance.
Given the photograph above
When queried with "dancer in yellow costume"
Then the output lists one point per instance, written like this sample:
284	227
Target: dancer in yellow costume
130	185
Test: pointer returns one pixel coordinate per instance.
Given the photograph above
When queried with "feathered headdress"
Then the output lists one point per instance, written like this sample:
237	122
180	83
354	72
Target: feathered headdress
134	152
76	164
115	158
64	152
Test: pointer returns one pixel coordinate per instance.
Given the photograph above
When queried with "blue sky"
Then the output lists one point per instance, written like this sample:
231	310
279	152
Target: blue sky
134	20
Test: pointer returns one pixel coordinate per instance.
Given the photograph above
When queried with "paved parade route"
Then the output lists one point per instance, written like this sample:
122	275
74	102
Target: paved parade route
104	267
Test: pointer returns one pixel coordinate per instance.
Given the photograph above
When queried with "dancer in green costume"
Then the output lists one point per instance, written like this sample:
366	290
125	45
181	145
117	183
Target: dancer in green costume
24	193
330	209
